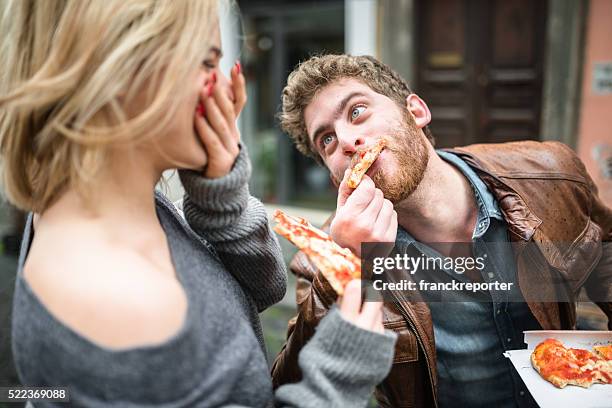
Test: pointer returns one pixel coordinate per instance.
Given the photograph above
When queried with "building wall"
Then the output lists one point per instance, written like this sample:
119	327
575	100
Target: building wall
595	124
360	27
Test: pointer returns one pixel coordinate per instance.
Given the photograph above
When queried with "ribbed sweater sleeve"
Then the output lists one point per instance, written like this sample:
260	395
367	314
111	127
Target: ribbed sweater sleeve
341	365
235	223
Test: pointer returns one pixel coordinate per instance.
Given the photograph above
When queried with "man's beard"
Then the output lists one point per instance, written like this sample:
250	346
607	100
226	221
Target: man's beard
409	147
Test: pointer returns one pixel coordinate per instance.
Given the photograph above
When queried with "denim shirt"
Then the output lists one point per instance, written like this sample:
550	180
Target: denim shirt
471	335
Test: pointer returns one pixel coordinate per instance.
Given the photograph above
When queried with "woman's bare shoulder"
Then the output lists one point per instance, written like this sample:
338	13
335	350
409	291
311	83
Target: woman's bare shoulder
112	296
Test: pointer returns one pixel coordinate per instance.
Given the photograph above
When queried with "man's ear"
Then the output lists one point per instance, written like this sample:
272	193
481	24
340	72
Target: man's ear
419	110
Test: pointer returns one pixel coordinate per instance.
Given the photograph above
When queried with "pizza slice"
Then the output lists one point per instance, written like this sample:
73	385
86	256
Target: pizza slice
604	364
556	365
604	352
599	366
362	160
338	265
563	366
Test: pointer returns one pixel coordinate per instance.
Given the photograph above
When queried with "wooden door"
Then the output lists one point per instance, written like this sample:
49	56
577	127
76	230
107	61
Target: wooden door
480	68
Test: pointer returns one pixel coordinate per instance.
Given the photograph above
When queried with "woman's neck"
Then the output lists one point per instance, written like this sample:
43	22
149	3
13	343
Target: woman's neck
121	199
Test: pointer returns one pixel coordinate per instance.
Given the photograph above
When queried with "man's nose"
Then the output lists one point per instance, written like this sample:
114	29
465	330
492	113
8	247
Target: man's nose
349	142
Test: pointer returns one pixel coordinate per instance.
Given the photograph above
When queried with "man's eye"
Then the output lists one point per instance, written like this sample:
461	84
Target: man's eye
327	139
357	110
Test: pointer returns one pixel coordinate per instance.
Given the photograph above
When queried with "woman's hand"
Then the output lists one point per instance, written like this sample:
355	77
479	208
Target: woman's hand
215	121
369	317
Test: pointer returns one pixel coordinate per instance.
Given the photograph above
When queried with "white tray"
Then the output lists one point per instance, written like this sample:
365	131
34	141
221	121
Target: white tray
546	394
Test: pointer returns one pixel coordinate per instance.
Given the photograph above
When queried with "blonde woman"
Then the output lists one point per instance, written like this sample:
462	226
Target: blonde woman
117	297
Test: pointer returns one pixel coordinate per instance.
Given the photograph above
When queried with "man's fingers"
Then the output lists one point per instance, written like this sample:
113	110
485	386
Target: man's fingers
362	195
392	228
344	191
373	209
351	301
386	214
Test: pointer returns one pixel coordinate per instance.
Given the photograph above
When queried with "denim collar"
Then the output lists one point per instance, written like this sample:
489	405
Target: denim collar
487	205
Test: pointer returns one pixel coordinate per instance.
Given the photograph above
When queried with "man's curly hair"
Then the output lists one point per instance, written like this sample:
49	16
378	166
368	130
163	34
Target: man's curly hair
314	74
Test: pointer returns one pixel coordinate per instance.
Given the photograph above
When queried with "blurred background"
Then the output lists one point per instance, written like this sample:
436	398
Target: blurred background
490	71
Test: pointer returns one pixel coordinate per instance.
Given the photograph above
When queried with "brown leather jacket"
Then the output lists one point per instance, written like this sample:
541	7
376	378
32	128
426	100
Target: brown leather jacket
546	196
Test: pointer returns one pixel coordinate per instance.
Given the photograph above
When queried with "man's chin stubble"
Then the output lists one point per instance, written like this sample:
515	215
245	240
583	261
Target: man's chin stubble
412	157
398	187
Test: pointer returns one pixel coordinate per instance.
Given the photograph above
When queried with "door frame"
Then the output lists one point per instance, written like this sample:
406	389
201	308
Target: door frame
563	64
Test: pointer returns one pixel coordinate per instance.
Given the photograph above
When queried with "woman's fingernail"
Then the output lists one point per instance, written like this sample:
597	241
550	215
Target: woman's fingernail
238	67
200	109
214	77
209	90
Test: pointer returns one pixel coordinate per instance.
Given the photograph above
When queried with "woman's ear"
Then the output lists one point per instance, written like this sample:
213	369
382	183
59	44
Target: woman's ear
419	110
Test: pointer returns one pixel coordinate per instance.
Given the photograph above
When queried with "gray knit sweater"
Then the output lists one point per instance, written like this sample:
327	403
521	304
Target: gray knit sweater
230	266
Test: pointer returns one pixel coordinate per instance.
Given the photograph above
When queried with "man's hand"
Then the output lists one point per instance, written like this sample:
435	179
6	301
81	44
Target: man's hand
362	215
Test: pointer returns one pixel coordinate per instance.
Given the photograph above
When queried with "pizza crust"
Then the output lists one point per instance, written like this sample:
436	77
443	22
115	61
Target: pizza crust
363	160
604	352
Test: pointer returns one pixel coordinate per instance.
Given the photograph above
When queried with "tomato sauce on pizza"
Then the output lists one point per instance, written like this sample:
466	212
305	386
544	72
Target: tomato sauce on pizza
338	265
563	366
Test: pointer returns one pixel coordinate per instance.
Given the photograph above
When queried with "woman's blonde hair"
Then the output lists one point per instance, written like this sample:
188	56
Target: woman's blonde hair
68	67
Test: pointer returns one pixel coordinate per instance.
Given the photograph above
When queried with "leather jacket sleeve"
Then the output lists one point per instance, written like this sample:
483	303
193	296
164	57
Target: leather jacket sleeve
599	284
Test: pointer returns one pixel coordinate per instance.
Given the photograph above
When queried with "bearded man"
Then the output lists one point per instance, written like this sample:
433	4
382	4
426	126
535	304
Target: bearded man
529	208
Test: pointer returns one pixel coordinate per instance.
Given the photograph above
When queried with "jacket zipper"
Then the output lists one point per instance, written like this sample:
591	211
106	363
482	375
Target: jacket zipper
421	344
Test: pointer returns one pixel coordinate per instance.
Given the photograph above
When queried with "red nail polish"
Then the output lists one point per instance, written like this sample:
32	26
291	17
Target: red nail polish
238	67
200	109
214	77
209	89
